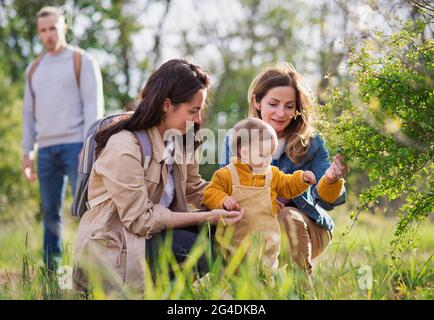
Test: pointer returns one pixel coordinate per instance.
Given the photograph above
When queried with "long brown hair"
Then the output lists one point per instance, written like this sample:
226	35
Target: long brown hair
177	79
299	131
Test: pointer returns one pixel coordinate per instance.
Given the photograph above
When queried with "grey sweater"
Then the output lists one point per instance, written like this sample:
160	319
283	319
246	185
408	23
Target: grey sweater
63	111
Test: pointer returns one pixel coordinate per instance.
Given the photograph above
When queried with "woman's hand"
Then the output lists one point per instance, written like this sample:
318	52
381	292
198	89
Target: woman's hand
337	170
309	177
225	217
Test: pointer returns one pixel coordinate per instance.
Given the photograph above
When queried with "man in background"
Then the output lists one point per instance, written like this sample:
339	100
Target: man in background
63	97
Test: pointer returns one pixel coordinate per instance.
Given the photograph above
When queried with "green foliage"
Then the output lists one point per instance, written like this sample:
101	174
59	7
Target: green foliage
13	187
110	30
384	121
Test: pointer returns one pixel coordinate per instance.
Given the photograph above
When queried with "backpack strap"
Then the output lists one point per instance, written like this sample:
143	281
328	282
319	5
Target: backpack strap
145	147
32	70
77	64
77	69
145	158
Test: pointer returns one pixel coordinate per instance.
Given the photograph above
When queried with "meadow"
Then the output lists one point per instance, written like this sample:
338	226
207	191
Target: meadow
354	266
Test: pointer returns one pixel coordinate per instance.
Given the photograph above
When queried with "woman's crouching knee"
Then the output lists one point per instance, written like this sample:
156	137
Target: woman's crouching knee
295	233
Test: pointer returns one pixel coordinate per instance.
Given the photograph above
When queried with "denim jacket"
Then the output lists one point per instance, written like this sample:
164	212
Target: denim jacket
316	161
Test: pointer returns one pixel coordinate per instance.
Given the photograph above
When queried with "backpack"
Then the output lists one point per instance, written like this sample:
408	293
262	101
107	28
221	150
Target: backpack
81	203
77	68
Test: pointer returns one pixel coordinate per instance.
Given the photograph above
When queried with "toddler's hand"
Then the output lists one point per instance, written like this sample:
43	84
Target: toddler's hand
280	204
231	204
309	177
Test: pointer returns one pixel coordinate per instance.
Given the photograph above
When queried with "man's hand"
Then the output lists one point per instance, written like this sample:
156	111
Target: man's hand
28	169
309	177
231	204
336	170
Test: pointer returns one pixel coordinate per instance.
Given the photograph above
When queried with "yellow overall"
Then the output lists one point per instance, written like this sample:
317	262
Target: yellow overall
258	223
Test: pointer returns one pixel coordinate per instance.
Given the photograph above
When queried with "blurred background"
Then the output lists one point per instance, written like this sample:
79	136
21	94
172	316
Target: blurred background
232	40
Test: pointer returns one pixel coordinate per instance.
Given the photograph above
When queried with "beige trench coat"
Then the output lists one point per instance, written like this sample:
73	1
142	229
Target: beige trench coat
112	235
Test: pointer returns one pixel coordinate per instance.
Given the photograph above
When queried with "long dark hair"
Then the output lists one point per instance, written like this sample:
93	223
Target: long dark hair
177	79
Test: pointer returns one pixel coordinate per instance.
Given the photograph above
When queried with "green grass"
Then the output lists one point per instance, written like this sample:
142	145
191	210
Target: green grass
340	272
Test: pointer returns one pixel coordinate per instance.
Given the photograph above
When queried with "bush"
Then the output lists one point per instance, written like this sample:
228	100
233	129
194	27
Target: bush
384	121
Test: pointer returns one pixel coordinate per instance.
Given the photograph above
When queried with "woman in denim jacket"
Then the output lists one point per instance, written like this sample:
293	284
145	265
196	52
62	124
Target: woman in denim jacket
277	97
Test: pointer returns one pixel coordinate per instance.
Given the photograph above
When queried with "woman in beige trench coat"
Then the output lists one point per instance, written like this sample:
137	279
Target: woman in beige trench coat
113	236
